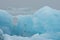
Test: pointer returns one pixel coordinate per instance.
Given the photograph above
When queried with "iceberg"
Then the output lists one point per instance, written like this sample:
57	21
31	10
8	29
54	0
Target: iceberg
5	22
43	25
25	25
1	35
47	19
34	37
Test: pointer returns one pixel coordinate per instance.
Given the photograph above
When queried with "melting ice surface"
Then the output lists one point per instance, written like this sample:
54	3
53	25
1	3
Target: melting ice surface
45	22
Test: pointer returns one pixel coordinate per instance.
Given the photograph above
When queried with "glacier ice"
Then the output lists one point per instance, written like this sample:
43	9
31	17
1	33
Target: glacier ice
34	37
45	36
5	21
25	25
48	19
1	35
54	36
43	25
1	32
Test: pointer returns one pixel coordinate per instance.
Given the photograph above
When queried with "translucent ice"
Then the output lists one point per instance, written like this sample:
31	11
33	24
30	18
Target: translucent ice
25	25
45	36
48	19
1	35
5	21
45	22
1	32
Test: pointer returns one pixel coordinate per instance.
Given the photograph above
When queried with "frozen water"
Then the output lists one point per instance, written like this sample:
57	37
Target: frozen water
5	21
25	25
1	32
35	37
45	22
38	27
1	35
45	36
47	19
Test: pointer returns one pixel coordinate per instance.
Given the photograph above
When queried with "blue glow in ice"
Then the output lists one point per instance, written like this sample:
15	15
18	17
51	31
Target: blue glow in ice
25	25
5	21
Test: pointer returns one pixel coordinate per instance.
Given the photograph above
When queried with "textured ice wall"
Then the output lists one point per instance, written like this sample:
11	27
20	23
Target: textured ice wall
5	21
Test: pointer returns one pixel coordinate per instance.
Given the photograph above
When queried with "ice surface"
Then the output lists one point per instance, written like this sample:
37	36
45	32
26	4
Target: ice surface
5	21
35	37
25	25
43	25
1	35
45	36
47	19
1	32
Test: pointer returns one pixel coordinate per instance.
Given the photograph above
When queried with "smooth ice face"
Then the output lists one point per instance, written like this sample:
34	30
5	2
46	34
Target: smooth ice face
48	19
25	25
5	21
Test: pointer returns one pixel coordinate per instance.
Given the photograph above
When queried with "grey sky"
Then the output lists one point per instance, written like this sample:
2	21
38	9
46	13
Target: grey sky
33	4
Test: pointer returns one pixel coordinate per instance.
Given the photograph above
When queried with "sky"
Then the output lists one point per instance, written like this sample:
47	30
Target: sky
32	4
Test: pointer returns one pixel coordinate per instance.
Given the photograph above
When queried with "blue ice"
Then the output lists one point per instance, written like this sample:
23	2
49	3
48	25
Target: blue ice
45	36
5	21
48	19
43	25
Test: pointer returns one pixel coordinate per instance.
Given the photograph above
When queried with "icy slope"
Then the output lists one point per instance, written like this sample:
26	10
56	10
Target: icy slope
47	19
